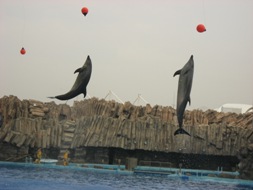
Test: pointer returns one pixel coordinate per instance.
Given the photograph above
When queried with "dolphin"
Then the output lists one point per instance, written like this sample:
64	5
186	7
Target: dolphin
183	93
81	82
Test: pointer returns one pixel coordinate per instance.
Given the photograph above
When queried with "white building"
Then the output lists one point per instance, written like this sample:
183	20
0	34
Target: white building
235	108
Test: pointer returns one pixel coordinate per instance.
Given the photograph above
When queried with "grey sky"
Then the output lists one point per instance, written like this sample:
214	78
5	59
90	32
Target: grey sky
135	47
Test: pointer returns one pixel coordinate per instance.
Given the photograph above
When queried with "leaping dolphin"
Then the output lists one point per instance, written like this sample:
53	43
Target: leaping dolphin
81	82
183	93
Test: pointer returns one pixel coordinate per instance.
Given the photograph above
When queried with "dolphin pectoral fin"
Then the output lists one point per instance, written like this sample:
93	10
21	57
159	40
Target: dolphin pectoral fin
78	70
189	100
84	93
177	72
181	131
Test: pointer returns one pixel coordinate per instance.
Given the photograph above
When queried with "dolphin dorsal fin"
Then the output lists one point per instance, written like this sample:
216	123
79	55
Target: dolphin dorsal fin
79	70
177	72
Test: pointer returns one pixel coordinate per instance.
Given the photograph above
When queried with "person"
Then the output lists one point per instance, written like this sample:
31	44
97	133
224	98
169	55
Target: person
66	158
38	156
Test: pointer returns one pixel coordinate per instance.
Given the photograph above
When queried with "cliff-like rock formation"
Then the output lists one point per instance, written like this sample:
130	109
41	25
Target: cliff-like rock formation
100	123
110	124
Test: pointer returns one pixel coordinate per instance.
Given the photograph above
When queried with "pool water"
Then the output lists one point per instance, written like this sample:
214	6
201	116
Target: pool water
42	177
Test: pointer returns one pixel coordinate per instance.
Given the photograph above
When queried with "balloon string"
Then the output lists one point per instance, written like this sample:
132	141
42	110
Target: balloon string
24	24
204	12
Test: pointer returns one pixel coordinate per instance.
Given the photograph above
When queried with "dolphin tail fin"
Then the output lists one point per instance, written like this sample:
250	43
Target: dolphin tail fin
177	72
181	131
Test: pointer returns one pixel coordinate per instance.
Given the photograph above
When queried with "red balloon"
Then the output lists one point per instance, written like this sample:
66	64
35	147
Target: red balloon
85	11
201	28
22	51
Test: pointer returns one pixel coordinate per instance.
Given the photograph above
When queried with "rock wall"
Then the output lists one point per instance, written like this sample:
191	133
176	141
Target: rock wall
30	123
152	128
246	161
100	123
113	109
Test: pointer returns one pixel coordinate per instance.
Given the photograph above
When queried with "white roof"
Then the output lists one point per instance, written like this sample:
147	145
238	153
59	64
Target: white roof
232	107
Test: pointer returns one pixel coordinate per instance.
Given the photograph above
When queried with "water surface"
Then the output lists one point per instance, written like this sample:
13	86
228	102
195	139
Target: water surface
22	177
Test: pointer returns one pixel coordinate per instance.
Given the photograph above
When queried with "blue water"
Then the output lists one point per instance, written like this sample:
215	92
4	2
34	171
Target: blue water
42	177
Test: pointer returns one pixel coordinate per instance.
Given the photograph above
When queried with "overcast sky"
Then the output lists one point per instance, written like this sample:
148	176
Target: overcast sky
135	47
